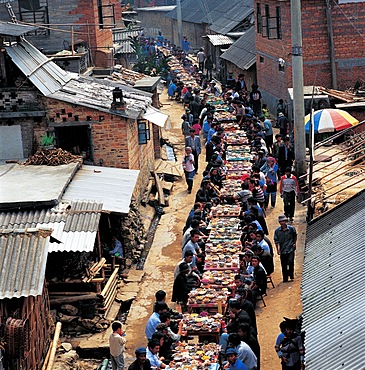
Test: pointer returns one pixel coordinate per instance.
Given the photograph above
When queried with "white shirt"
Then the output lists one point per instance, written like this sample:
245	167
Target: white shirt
116	344
188	162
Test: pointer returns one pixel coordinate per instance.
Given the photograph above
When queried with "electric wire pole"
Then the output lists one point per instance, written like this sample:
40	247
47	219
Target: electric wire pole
298	88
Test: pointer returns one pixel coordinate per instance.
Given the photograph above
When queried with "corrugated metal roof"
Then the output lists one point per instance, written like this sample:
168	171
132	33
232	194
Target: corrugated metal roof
333	289
46	75
222	15
15	29
75	226
54	82
243	52
111	186
23	257
217	40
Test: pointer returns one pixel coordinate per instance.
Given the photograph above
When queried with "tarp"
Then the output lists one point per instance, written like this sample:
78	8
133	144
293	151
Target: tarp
157	117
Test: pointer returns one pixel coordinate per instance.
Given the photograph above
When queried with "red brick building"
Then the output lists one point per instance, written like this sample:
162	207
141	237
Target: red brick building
90	22
273	45
109	124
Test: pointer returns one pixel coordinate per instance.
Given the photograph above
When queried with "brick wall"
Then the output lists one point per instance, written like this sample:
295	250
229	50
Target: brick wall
348	45
114	138
79	13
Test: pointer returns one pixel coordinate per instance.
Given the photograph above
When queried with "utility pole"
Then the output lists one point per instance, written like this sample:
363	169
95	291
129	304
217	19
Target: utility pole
298	88
179	22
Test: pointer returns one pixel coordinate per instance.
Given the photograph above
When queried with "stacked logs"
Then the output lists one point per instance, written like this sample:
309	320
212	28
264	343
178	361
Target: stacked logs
52	157
108	294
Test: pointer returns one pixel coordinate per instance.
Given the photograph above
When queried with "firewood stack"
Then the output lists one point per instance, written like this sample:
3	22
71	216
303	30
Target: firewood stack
127	76
52	157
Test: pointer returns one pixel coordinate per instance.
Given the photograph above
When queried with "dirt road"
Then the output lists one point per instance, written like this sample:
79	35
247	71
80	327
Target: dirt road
283	300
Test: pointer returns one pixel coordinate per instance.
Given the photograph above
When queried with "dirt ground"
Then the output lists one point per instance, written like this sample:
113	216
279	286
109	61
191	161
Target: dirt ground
283	300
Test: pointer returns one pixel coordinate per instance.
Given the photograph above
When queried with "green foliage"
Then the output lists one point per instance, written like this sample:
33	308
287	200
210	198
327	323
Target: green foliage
147	63
46	140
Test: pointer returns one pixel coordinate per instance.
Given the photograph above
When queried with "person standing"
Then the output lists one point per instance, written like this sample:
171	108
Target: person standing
255	99
180	289
285	156
269	134
193	141
201	57
241	84
189	168
283	124
141	362
185	45
285	238
185	125
289	347
289	189
117	342
209	67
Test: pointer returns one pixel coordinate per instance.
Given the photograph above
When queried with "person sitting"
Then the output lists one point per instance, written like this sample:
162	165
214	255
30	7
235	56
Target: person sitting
259	283
118	248
141	362
236	316
154	319
266	259
244	352
233	362
152	352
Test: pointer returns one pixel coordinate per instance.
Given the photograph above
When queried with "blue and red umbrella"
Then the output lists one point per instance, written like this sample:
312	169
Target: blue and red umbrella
330	120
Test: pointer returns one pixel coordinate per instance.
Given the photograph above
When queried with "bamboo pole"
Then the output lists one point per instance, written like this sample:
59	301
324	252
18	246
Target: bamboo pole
72	41
54	346
346	165
331	195
330	164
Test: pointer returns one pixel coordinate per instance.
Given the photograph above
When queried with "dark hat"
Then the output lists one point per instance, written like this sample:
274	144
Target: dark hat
140	351
231	351
282	218
184	267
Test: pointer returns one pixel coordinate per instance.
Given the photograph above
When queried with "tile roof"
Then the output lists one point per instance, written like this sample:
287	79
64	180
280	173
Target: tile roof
74	224
243	52
222	15
23	257
333	289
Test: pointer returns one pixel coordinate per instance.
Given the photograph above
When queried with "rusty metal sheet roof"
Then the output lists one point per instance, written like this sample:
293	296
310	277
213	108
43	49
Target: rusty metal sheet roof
74	224
333	289
23	257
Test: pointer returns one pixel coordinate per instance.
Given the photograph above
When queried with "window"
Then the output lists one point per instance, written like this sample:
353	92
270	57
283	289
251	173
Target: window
35	11
271	26
143	132
262	59
106	15
259	18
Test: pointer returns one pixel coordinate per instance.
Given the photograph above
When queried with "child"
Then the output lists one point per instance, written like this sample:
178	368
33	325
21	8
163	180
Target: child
117	342
265	111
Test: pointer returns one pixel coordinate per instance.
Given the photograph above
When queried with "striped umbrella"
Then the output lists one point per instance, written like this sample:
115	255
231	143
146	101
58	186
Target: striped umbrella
330	120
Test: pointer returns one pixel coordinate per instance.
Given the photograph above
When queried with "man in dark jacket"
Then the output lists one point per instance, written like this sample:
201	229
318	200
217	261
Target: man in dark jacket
141	362
259	283
180	290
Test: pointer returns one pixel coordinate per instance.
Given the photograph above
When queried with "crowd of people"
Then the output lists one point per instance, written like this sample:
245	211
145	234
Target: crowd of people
269	172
